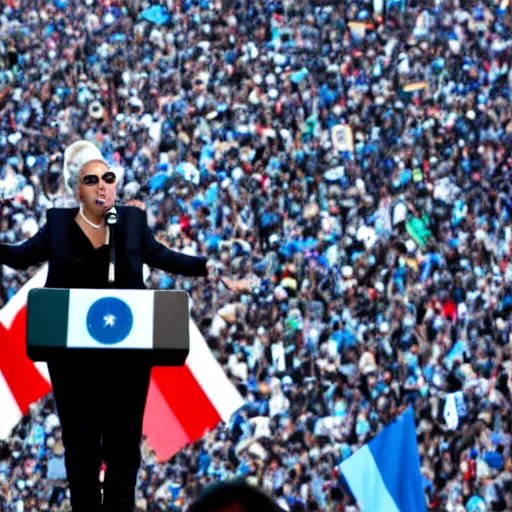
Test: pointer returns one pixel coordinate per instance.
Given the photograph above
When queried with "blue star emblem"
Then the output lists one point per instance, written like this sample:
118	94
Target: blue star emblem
109	320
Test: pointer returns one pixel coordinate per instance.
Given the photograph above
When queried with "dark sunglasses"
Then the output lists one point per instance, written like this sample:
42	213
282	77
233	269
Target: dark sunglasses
92	179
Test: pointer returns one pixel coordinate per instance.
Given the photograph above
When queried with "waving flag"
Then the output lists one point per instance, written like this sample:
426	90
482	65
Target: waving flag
21	381
156	14
385	473
378	5
183	402
454	409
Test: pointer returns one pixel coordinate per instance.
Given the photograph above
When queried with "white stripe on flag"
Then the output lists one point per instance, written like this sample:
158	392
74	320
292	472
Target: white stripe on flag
141	304
42	368
11	413
365	481
211	377
10	310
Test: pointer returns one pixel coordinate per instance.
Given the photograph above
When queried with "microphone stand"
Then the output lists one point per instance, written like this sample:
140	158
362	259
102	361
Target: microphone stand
111	219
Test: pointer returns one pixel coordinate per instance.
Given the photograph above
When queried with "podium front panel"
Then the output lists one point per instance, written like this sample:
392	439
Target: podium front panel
150	326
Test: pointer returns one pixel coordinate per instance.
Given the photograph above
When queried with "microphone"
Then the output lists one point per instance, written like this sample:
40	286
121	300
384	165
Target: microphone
111	216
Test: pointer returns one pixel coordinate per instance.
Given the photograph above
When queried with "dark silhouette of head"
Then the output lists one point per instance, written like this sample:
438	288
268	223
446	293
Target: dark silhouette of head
234	496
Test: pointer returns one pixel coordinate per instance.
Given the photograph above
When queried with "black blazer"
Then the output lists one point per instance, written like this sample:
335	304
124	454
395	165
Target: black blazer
134	242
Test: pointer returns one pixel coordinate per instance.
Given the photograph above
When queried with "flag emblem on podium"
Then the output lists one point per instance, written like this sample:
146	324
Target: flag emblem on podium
109	320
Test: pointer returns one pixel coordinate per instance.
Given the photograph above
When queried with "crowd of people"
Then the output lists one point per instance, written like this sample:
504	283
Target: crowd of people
353	156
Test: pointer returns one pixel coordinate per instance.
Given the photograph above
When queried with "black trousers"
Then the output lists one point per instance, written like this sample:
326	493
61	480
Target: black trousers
101	408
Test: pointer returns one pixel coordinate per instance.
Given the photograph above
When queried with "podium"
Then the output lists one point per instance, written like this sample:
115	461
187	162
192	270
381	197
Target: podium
146	326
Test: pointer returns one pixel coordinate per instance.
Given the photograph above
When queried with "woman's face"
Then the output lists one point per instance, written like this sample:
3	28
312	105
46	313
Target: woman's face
96	187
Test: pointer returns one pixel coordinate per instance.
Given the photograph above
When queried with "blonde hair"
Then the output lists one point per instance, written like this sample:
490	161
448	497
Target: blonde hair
76	156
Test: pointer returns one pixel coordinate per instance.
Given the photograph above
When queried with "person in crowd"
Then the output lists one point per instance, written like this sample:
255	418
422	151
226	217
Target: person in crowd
234	496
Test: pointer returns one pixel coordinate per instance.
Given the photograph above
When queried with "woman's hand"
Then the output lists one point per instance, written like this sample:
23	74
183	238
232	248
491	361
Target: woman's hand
238	285
234	285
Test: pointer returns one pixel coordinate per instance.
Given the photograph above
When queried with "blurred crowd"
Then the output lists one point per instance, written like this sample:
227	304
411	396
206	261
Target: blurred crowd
355	157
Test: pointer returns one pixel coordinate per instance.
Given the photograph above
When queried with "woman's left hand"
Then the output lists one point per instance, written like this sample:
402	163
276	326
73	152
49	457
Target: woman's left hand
238	285
234	285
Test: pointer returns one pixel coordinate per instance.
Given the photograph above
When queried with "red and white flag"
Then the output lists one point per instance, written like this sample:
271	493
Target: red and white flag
183	403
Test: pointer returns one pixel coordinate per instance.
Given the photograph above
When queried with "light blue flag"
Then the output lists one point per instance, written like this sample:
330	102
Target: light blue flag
384	475
378	5
156	14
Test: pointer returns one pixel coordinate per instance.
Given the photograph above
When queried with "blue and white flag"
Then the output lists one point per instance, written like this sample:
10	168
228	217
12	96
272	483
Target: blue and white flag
454	409
378	5
384	475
